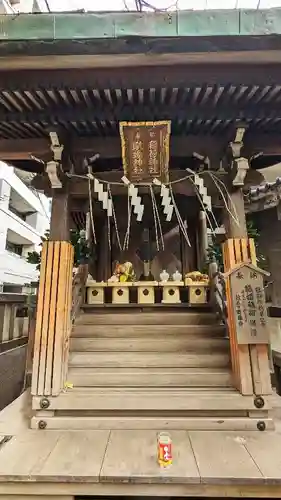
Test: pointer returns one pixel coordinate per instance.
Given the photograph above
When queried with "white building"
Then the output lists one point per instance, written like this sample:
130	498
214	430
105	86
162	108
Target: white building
23	6
24	219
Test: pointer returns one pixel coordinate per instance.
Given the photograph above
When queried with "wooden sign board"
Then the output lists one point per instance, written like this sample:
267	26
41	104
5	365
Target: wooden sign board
248	298
145	150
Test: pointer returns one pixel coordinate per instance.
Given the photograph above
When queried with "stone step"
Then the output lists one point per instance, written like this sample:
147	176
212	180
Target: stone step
137	377
155	317
150	344
147	330
148	359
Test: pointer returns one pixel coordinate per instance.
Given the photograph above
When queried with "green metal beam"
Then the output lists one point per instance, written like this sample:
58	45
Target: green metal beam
60	26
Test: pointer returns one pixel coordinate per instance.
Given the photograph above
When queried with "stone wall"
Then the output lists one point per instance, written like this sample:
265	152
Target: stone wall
12	369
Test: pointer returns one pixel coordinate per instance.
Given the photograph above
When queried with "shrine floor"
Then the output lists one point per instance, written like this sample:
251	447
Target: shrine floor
60	464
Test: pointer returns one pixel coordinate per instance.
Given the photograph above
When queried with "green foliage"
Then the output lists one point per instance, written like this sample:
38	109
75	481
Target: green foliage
215	250
81	247
78	240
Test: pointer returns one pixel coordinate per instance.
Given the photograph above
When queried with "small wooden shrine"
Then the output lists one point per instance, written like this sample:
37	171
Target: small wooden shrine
148	145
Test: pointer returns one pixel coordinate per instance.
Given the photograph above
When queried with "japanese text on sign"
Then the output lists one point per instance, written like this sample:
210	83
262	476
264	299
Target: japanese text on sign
249	306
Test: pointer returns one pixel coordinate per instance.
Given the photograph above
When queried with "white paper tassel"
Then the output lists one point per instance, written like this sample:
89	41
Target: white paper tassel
166	200
100	193
170	209
163	190
105	200
137	205
207	202
133	191
140	213
125	180
109	208
96	185
156	182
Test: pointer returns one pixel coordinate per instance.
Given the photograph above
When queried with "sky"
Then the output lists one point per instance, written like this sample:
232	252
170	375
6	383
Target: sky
115	5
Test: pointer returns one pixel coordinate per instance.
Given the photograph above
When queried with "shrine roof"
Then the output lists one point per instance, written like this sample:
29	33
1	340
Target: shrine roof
258	192
205	71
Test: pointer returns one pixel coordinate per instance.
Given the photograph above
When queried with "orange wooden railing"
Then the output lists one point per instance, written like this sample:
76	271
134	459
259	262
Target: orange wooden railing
53	319
250	363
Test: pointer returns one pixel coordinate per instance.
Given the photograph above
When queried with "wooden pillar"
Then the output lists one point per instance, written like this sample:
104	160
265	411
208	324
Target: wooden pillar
92	264
60	216
104	253
53	317
187	252
53	320
203	239
234	229
250	363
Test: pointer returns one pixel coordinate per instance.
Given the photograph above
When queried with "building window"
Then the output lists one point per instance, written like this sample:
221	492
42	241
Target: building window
19	214
12	247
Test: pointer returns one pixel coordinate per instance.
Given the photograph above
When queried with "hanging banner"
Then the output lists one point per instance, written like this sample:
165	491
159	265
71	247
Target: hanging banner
145	150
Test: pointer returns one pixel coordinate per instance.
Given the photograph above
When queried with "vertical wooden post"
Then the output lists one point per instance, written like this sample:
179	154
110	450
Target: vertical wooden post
249	363
54	304
104	253
236	206
203	238
59	227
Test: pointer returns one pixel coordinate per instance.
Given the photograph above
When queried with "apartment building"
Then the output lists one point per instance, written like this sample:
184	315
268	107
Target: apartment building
23	6
24	219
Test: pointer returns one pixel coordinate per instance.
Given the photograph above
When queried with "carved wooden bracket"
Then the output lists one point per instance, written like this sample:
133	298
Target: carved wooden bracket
52	171
241	165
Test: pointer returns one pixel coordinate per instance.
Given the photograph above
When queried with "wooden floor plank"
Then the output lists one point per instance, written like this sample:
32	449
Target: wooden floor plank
26	453
132	455
159	399
147	359
77	455
222	456
159	344
265	450
15	417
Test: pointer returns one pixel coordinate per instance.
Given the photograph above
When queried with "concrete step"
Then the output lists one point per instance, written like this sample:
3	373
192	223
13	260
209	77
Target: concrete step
159	344
141	377
148	359
147	330
155	317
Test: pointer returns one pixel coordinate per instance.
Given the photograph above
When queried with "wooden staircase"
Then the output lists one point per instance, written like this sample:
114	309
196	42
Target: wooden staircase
136	368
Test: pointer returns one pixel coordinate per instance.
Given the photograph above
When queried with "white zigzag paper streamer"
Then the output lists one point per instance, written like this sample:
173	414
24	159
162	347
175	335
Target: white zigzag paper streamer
166	201
103	197
136	202
206	199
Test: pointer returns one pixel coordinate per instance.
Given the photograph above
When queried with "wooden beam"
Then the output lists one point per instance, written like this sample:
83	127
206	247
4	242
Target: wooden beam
109	147
125	111
180	75
23	149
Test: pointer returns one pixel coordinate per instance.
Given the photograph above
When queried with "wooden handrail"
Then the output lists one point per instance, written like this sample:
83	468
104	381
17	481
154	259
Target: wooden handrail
218	291
78	290
250	365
